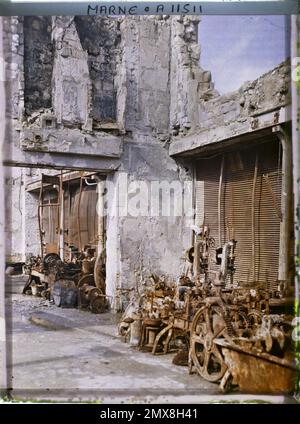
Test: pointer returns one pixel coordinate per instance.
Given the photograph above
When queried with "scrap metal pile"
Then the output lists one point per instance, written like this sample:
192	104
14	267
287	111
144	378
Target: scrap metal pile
80	282
235	335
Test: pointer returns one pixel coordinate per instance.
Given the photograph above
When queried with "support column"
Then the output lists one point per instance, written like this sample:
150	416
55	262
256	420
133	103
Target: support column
286	203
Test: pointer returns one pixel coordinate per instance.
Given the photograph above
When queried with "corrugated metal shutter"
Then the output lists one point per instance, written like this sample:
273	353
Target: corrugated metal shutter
87	214
244	208
50	221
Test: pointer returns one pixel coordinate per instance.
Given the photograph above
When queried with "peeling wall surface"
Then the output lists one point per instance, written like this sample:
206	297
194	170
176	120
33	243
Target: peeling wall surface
121	96
14	210
101	40
38	62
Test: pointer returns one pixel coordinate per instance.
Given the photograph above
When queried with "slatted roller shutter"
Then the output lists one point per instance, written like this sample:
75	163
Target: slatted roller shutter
87	215
50	221
250	214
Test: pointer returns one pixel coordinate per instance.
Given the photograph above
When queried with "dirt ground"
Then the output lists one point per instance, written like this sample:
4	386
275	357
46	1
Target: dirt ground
77	356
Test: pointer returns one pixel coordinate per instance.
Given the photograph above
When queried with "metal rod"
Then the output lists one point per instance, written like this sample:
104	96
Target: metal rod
219	199
78	215
253	215
40	209
194	203
44	205
273	196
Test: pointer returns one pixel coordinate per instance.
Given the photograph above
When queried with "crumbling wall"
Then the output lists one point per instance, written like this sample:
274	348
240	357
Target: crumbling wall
189	82
127	62
13	48
196	106
15	214
259	104
100	38
21	215
267	93
38	62
146	47
145	243
71	85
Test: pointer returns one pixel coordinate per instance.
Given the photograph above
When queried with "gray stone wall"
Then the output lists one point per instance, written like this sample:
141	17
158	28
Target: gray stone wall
38	62
257	105
140	245
14	214
100	37
145	243
189	82
269	92
196	106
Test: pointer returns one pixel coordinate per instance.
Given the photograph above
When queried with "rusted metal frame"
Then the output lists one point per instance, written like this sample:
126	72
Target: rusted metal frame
220	198
100	213
256	353
40	210
253	214
161	333
46	180
69	201
230	228
49	204
273	196
194	203
78	214
196	264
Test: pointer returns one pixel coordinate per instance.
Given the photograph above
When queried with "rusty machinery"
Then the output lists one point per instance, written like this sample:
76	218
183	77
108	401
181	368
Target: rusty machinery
78	281
69	284
216	327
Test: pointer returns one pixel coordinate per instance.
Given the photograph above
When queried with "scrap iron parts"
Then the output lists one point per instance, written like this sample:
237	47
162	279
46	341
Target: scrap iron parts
91	297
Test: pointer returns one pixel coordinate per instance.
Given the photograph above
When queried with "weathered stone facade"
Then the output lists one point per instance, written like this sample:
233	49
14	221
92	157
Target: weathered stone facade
123	95
255	106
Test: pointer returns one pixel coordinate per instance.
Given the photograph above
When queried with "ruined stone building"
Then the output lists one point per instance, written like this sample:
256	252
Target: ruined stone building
96	98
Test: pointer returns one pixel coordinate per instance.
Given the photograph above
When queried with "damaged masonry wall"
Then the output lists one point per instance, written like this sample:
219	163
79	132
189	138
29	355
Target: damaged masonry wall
201	115
120	95
134	125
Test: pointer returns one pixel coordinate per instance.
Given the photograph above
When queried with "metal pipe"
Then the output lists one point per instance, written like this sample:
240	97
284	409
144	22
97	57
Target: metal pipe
194	204
219	199
100	259
100	214
40	209
253	215
78	215
89	184
286	202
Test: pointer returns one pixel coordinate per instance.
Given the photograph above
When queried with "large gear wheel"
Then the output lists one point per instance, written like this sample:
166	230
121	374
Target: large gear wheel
205	355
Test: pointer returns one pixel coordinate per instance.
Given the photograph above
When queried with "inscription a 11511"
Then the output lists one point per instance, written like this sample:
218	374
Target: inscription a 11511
147	9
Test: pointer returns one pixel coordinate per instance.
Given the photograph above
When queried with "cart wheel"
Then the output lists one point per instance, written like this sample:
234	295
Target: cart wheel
208	324
86	279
